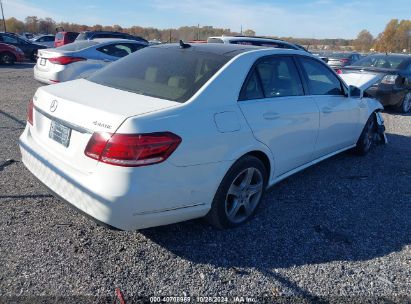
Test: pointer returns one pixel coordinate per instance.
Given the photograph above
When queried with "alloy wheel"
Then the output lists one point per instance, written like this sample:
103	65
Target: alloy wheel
244	194
370	134
7	59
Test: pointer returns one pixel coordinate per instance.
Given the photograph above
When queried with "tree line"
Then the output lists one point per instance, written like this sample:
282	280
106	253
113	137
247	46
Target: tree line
396	36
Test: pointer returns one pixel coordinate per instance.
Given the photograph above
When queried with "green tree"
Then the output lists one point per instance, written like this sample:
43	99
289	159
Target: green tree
15	26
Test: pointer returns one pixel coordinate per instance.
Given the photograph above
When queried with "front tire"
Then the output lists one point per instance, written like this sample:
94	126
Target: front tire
7	58
367	137
405	105
239	193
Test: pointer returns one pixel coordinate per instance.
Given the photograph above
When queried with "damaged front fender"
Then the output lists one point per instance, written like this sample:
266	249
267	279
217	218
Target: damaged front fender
380	132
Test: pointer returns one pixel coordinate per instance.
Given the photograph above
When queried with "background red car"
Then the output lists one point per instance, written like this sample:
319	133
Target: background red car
63	38
9	54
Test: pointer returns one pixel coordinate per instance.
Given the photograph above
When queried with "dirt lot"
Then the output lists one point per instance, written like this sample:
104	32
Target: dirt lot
340	228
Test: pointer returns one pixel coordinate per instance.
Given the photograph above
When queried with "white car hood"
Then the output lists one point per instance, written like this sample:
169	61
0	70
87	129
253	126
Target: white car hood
361	80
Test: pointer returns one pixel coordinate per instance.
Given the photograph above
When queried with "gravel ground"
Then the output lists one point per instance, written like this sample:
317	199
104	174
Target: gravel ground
339	229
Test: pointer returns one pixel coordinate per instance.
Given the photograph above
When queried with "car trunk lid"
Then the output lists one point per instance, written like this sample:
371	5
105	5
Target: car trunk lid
67	114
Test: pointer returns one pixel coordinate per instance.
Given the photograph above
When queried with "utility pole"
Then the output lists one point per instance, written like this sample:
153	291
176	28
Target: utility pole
2	13
198	31
241	30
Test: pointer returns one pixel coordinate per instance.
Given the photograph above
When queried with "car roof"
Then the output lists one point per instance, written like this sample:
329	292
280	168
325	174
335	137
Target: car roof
104	40
230	50
245	38
108	32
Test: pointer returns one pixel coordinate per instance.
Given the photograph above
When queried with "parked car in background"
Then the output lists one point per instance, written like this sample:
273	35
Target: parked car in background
9	54
27	36
46	40
80	59
63	38
391	75
91	35
259	41
29	48
121	146
339	60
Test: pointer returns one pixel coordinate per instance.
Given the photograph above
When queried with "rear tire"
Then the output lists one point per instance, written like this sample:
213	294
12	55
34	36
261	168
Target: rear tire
405	105
239	193
7	58
367	137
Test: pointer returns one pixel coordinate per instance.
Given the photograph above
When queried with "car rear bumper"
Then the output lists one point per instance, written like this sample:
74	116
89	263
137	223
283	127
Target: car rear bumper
126	198
46	76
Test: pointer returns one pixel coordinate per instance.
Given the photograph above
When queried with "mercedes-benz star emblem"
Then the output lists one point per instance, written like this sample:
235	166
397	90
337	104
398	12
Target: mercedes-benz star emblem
53	105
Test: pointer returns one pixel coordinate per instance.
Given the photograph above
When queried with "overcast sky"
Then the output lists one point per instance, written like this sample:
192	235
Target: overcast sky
296	18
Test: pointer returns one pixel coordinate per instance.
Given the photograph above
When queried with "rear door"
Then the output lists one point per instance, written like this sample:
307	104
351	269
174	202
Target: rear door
339	114
279	113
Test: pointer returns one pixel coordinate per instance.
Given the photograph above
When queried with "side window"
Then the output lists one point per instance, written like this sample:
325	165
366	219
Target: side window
252	88
9	39
320	79
134	46
279	77
116	50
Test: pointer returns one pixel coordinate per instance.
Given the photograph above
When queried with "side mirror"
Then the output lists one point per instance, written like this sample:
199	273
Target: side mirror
355	92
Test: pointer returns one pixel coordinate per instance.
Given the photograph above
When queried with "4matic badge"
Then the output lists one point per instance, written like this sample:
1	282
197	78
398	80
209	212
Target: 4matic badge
100	124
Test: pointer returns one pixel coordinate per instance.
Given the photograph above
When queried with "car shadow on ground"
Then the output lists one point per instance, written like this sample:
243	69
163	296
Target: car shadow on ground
18	66
347	208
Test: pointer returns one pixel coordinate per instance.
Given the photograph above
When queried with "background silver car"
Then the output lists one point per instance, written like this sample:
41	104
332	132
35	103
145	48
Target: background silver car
80	59
46	40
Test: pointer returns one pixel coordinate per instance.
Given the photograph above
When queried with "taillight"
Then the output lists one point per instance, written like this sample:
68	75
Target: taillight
30	109
389	79
63	60
339	72
132	150
344	60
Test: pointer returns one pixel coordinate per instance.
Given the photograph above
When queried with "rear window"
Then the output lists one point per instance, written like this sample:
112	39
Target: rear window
82	36
339	55
77	46
215	40
383	61
167	73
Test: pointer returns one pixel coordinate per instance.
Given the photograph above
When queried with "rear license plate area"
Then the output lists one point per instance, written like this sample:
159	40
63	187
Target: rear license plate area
42	61
60	133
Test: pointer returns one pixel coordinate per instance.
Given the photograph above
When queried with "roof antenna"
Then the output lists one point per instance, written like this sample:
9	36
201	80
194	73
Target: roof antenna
184	45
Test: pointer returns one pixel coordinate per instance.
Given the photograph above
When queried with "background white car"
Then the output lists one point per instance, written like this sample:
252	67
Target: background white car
80	59
177	132
46	40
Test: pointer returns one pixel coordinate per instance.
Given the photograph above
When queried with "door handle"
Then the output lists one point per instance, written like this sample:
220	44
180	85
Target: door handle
327	110
271	115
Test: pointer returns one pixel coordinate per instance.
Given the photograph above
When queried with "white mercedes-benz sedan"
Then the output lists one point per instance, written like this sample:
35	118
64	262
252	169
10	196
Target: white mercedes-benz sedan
176	132
81	59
